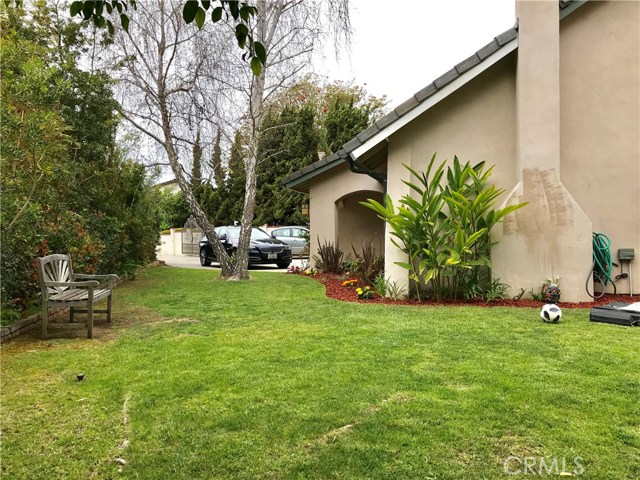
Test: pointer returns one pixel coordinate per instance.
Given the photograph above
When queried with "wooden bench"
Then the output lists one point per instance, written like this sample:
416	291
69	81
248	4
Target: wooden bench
61	288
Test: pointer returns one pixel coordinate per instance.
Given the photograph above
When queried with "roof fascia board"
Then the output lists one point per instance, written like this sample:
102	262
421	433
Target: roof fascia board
313	173
435	98
572	7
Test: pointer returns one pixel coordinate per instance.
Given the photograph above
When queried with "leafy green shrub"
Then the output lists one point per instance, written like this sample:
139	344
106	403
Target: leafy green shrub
20	246
387	288
380	285
173	209
496	291
536	296
394	290
329	258
520	294
445	230
473	291
67	186
349	265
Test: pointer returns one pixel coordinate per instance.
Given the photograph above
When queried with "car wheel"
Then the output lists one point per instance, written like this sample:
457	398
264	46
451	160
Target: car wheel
283	264
204	261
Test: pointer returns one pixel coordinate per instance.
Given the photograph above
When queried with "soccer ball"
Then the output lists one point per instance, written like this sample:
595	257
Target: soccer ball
550	313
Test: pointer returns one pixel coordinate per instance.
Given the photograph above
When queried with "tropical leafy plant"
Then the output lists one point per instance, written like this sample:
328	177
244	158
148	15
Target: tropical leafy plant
380	285
444	225
520	294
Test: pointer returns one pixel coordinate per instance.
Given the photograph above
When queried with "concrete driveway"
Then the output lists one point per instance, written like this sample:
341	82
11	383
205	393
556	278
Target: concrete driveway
184	261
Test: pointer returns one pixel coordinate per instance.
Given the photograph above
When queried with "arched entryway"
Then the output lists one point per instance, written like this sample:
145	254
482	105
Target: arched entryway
358	224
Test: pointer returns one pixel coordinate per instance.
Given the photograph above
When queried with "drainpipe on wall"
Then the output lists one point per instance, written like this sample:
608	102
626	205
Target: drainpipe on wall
357	167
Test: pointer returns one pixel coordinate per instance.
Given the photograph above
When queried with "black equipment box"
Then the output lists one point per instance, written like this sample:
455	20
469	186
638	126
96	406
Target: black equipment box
617	314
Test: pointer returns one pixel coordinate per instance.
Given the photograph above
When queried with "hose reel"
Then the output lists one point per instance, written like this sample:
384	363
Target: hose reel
602	266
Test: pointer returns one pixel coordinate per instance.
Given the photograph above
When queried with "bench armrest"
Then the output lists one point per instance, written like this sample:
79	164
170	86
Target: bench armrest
111	278
87	284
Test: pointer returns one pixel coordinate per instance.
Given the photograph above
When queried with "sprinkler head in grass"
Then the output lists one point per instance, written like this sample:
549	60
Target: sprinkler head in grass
80	377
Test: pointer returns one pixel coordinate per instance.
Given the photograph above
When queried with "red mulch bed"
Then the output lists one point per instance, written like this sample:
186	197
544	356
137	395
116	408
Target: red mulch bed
334	289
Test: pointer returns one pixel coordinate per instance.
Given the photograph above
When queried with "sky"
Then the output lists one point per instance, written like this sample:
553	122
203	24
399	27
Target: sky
400	46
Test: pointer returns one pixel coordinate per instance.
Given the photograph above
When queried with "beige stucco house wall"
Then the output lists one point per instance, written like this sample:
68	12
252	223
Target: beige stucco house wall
170	186
554	104
336	215
600	120
477	122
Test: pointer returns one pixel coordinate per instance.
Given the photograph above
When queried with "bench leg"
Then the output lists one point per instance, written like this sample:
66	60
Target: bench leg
45	313
72	312
109	307
90	320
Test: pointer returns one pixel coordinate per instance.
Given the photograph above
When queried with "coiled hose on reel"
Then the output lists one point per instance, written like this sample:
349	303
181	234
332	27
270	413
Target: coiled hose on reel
602	265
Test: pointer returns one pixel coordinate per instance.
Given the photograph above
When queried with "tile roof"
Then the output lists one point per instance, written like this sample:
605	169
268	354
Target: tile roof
415	100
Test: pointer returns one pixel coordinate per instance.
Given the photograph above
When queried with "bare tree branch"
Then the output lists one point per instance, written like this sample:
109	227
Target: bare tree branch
179	80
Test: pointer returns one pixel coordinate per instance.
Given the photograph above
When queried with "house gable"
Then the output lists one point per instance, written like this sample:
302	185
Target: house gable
443	86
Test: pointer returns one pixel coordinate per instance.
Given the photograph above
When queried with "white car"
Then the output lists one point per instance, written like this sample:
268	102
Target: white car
296	237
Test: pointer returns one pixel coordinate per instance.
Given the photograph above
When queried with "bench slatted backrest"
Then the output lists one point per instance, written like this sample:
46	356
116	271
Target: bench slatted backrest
54	268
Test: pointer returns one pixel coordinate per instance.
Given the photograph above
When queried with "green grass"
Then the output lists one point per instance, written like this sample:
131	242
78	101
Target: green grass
202	379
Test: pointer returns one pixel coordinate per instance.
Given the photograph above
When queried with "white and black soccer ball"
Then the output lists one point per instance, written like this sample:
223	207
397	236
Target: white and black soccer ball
551	313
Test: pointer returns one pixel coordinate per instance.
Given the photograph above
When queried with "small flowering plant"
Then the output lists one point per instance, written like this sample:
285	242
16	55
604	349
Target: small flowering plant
350	283
311	272
551	290
364	293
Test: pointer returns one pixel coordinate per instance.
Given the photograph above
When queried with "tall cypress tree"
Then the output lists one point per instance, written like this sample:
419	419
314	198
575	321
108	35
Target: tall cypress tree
289	143
196	168
232	195
306	119
216	162
344	120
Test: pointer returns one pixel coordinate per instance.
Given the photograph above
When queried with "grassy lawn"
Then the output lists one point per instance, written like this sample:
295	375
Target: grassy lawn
203	379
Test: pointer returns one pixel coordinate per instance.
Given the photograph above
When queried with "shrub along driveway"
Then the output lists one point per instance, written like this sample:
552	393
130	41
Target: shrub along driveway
200	378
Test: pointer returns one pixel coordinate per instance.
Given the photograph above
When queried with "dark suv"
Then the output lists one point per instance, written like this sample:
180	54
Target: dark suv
263	249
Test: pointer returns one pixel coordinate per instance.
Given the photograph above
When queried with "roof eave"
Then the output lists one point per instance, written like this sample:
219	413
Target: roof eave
432	100
298	183
570	6
420	102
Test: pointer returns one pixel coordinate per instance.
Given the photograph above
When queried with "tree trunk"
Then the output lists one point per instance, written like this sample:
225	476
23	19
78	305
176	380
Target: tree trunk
242	264
266	25
226	265
161	82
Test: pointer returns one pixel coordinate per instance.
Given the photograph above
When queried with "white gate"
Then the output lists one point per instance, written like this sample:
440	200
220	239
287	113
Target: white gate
191	235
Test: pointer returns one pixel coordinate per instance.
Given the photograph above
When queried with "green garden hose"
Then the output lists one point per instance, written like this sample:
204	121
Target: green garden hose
602	265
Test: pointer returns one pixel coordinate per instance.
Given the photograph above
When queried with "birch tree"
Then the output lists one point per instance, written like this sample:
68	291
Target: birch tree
169	66
289	30
159	70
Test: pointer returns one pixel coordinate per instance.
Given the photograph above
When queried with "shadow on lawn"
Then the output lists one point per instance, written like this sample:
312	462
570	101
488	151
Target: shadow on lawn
123	319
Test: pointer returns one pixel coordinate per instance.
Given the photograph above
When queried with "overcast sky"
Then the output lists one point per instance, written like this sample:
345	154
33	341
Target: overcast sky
399	47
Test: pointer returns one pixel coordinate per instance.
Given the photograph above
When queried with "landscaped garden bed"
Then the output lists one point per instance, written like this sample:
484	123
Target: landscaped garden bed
335	288
443	230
